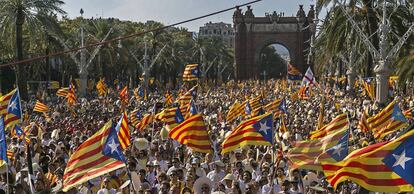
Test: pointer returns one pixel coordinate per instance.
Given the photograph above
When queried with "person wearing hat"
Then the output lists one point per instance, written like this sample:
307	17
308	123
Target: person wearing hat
195	163
202	185
228	181
218	174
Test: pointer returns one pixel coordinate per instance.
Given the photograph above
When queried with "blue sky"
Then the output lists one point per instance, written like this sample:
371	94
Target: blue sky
171	11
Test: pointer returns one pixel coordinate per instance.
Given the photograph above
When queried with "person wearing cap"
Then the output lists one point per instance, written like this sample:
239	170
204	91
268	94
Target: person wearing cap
218	173
195	163
227	181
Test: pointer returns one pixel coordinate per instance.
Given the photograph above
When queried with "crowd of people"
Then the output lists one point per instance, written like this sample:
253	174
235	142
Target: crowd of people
159	164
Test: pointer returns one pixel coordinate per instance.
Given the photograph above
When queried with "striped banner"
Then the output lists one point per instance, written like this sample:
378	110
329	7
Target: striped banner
309	154
193	133
4	102
338	122
146	120
124	133
383	123
88	162
62	92
233	112
191	72
245	134
40	107
363	124
366	168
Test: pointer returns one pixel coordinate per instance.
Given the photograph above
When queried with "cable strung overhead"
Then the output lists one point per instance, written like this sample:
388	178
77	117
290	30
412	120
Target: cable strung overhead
123	37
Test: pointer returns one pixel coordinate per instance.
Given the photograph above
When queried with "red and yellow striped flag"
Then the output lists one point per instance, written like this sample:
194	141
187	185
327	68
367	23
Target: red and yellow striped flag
101	87
4	102
273	107
383	123
171	117
134	117
409	114
10	154
363	124
88	161
123	95
282	127
309	154
146	120
124	133
193	133
52	178
40	107
369	86
338	122
246	134
366	168
233	112
256	102
71	96
168	99
191	72
62	92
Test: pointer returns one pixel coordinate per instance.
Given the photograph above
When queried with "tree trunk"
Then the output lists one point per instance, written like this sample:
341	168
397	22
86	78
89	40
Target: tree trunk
20	69
372	26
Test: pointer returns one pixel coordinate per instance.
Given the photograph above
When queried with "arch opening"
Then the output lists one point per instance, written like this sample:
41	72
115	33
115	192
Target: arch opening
273	61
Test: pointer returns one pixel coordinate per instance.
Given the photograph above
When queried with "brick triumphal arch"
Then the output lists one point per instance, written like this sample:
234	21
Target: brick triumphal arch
252	34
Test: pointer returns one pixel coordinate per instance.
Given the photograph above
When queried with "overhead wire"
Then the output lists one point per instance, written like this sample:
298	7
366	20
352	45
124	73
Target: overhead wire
27	61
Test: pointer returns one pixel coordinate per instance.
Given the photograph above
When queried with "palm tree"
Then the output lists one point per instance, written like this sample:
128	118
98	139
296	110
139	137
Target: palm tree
35	14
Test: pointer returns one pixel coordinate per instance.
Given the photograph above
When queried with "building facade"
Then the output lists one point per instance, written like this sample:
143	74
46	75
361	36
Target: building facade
222	30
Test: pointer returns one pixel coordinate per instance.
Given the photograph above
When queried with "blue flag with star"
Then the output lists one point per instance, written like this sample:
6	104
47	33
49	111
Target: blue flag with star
178	117
248	109
264	126
196	71
282	106
112	147
14	106
340	150
3	143
397	114
401	160
193	109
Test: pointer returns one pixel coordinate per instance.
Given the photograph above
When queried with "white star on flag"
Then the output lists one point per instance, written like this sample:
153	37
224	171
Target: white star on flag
337	149
400	160
13	105
264	127
113	146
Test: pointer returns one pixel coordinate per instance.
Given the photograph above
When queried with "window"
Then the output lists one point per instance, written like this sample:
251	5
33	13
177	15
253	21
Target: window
214	31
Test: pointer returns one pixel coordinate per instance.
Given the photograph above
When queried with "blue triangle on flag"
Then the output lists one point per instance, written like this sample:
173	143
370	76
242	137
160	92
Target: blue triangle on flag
265	127
340	151
112	147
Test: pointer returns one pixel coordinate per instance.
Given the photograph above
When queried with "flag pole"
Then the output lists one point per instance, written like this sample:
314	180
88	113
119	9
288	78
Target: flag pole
7	177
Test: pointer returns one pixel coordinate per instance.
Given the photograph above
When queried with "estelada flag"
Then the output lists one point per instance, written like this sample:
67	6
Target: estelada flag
191	72
375	167
90	159
193	133
255	131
